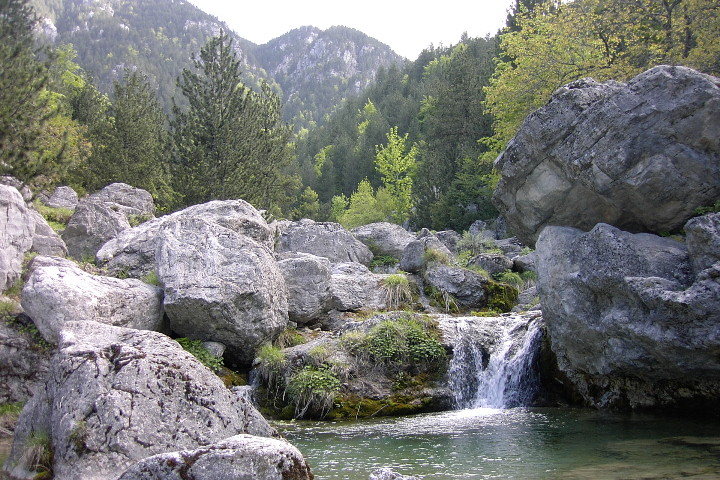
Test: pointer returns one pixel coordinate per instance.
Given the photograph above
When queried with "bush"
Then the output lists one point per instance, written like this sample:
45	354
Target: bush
313	390
271	365
136	219
196	348
477	244
289	337
397	290
383	261
433	255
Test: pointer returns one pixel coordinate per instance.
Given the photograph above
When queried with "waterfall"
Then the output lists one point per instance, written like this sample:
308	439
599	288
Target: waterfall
493	363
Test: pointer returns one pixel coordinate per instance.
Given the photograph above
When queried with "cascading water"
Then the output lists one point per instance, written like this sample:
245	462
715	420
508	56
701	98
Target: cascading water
493	363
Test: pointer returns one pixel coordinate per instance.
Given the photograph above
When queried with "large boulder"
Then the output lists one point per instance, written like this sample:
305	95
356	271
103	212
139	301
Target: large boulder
307	278
63	197
16	235
491	262
384	238
45	240
132	252
23	362
23	189
324	239
615	153
630	322
115	396
58	291
354	287
426	248
467	288
220	286
103	215
703	241
241	456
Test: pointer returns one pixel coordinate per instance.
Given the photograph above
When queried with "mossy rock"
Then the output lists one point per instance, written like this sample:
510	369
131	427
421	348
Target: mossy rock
351	407
501	296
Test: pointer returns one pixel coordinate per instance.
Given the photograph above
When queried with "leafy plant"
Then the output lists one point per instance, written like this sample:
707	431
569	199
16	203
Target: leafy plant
383	261
397	290
313	389
196	348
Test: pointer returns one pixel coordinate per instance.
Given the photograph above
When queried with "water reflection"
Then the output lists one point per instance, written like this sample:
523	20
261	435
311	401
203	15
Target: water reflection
488	443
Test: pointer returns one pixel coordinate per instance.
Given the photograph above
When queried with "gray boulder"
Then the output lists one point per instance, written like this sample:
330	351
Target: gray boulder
415	257
45	240
92	225
450	239
354	287
133	250
57	291
703	241
23	363
466	287
16	235
491	262
615	153
324	239
241	456
384	238
63	197
630	322
23	189
525	263
478	227
220	286
115	396
307	278
127	199
388	474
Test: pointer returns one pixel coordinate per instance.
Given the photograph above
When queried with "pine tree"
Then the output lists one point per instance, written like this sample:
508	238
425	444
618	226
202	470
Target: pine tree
230	142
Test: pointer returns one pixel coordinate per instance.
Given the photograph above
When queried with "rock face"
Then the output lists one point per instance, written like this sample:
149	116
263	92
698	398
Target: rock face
308	282
414	258
57	291
23	365
133	250
354	287
115	396
615	153
384	238
450	239
329	240
703	241
63	197
45	241
220	286
241	456
103	215
16	231
631	324
465	286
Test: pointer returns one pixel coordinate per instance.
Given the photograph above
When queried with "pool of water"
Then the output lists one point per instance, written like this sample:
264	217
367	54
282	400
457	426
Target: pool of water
513	444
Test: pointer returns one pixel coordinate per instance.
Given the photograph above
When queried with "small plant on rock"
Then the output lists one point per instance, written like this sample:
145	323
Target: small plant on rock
397	290
196	348
383	261
313	390
433	255
151	278
271	364
289	337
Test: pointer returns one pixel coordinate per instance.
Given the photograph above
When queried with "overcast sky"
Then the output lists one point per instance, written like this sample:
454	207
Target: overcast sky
407	26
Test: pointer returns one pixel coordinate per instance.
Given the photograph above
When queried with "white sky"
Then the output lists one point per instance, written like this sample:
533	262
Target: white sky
407	26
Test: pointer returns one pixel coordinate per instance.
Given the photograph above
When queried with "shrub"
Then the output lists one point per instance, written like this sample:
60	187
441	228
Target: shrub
136	219
289	337
397	290
313	390
271	365
196	348
383	261
433	255
477	244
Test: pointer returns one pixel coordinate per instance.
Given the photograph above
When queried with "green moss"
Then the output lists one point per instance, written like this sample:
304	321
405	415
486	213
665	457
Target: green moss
351	407
196	348
501	296
511	278
231	378
152	279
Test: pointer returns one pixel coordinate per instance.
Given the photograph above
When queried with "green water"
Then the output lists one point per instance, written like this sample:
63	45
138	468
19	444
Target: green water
513	444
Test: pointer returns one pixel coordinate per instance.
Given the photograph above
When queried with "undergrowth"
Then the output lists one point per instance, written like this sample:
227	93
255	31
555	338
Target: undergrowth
196	348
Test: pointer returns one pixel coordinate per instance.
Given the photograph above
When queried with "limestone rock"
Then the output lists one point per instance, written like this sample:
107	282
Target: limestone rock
45	240
450	239
414	258
91	226
16	230
354	287
491	262
63	197
384	238
23	189
465	286
115	396
525	263
641	156
133	251
630	322
388	474
241	456
23	364
308	282
703	240
324	239
220	286
57	291
129	200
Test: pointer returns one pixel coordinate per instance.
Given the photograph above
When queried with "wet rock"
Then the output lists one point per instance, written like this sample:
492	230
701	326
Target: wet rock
115	396
384	238
220	286
323	239
388	474
615	153
308	282
241	456
58	291
16	235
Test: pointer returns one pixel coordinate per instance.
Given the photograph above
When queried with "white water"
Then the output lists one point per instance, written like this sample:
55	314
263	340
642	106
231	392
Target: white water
493	363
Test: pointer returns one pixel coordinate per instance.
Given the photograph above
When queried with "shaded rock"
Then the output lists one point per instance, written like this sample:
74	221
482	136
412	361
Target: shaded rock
450	239
465	286
615	153
57	291
91	226
133	251
384	238
354	287
241	456
388	474
510	246
23	364
415	257
528	300
16	235
703	241
115	396
307	278
491	262
214	348
62	197
477	227
220	286
324	239
525	263
45	240
630	323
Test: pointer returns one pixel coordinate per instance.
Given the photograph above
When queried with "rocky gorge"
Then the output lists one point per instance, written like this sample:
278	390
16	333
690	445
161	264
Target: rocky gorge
131	338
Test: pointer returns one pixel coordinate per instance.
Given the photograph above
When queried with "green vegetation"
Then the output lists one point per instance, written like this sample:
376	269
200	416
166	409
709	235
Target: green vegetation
289	337
196	348
57	218
313	390
441	299
151	278
709	209
78	437
271	365
383	261
39	455
137	219
501	297
398	290
433	255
